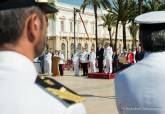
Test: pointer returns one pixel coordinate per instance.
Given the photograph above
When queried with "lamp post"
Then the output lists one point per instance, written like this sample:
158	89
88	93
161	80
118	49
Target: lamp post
75	11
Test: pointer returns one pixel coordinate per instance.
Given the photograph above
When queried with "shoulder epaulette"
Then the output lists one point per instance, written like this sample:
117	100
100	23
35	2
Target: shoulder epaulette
58	90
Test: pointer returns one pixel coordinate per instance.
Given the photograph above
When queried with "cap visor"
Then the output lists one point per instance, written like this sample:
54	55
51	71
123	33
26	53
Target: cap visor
47	8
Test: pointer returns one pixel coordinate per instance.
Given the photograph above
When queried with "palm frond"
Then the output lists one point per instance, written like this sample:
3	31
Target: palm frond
85	4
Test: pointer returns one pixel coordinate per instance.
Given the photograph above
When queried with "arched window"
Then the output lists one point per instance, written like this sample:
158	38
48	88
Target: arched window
62	26
71	26
79	46
128	46
63	48
93	46
86	47
78	27
71	49
119	46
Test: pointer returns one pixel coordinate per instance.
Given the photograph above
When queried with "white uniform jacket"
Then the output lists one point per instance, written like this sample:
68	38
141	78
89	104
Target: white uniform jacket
48	63
20	95
92	57
84	57
61	58
48	57
108	52
76	58
140	89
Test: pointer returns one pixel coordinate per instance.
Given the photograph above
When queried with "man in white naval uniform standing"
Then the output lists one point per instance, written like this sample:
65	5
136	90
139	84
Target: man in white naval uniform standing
92	60
84	61
108	52
76	63
140	88
48	62
61	63
23	27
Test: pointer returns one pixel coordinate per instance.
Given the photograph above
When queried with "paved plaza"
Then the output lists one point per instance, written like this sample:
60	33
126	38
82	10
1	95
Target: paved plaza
99	93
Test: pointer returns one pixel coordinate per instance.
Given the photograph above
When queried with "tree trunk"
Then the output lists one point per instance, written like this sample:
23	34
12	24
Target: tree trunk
140	2
134	33
124	35
115	46
110	36
96	36
134	38
133	43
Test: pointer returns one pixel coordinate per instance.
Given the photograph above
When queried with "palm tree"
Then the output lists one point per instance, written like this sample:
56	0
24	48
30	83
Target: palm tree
109	21
133	28
140	4
125	11
133	31
116	10
122	8
154	5
96	3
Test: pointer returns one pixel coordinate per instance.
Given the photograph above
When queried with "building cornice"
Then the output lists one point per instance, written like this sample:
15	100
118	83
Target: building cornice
69	8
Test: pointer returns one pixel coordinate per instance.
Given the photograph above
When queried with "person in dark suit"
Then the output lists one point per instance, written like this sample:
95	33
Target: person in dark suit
100	57
41	59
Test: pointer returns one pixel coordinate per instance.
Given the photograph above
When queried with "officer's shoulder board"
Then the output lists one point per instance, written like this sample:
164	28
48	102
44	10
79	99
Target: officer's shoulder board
58	90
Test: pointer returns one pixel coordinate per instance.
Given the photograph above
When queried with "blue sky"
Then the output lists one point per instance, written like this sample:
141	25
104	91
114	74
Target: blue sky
75	2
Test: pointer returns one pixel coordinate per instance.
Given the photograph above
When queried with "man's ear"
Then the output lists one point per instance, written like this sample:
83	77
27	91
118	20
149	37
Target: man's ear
33	27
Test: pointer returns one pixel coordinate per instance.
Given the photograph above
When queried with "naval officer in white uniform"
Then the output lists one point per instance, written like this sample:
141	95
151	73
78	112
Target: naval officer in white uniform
48	62
108	52
76	63
92	60
140	89
22	38
84	61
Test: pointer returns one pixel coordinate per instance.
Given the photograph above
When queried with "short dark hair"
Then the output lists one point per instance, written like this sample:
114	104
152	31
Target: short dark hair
12	23
152	37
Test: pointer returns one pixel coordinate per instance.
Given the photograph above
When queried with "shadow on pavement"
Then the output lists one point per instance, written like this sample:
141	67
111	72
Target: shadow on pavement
106	97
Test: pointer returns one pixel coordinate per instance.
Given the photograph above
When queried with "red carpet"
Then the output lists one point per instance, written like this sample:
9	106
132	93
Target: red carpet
101	75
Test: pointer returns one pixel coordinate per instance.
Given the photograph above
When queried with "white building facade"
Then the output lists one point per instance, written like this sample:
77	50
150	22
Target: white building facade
61	31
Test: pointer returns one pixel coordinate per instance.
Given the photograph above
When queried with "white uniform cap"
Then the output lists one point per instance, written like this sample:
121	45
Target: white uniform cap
155	17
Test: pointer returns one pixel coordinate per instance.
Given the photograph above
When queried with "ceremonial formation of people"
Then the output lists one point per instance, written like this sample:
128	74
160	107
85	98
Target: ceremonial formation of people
105	60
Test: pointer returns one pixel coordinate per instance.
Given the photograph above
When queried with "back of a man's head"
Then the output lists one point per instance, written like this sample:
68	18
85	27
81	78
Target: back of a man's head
23	26
12	22
152	38
152	31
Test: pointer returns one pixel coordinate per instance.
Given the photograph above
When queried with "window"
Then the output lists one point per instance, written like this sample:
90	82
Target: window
119	46
93	28
128	46
93	46
86	47
86	26
78	27
79	46
72	49
63	49
62	26
71	26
